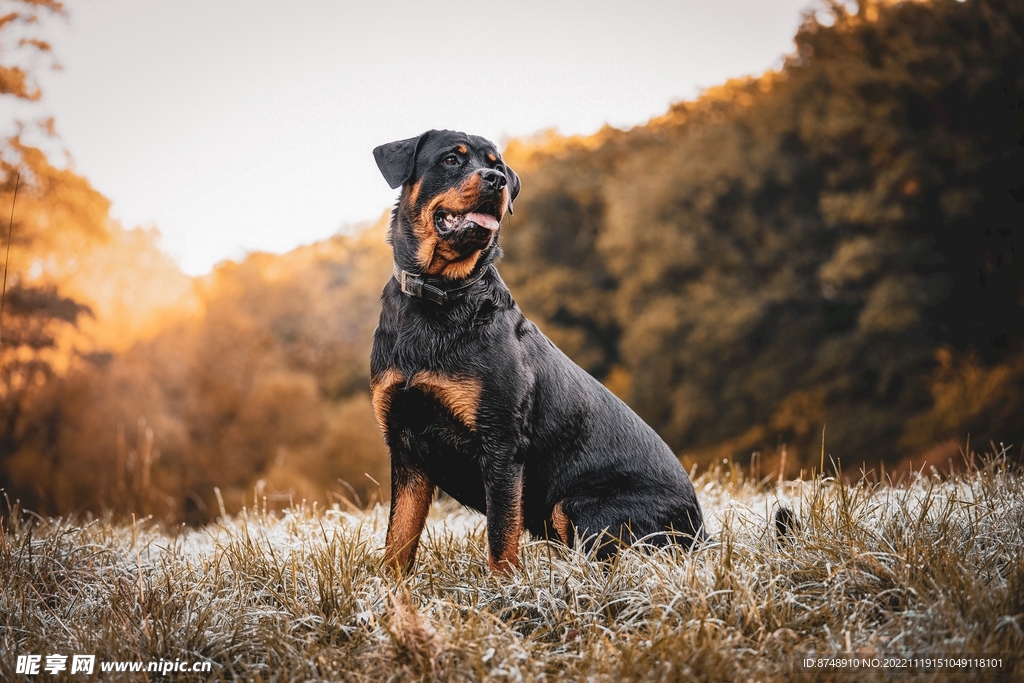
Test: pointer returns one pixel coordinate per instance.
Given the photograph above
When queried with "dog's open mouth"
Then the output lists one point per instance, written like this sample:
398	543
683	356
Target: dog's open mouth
483	216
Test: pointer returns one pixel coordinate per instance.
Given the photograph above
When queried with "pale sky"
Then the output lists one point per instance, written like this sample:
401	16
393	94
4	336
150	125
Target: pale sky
243	125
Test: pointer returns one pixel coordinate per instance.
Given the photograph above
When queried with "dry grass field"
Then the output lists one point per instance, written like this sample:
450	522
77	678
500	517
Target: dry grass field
930	568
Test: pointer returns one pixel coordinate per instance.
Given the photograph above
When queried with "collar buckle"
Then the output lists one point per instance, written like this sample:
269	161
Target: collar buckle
410	284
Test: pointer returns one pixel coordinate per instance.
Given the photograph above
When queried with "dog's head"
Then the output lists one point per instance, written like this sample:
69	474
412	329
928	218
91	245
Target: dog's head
455	191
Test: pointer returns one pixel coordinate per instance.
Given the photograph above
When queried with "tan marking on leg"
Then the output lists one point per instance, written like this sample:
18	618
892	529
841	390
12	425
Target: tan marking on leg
410	504
382	389
461	395
509	558
561	522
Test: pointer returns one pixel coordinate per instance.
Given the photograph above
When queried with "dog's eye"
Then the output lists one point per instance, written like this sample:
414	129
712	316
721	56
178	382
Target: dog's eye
450	160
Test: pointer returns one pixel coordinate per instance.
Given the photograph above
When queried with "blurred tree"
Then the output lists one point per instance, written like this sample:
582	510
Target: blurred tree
17	41
56	213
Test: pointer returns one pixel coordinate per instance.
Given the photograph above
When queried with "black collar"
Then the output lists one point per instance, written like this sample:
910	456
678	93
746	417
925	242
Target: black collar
415	286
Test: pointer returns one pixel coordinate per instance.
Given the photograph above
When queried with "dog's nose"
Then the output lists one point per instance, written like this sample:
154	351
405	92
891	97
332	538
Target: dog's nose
495	179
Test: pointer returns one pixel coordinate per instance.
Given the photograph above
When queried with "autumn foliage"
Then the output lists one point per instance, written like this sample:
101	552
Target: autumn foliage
833	247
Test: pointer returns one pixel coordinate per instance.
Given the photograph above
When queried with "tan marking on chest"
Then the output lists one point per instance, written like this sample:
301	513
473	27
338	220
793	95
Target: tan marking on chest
382	390
461	395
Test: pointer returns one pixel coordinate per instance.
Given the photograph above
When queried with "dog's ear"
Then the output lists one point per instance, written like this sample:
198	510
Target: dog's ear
397	160
513	186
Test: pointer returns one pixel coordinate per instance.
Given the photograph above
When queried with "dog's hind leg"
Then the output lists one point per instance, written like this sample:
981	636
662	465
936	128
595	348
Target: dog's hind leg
612	520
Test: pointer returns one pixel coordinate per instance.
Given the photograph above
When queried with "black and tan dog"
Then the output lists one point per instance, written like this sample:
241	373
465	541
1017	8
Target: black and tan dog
471	397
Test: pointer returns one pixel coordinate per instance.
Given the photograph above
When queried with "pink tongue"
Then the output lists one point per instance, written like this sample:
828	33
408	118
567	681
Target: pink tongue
483	220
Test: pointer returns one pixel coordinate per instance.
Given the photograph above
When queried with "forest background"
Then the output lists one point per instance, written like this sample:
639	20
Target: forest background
822	257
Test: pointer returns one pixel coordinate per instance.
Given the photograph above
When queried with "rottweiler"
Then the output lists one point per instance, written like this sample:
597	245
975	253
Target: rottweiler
471	397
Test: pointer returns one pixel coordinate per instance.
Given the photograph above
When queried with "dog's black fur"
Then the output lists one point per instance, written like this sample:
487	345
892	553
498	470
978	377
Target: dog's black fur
473	398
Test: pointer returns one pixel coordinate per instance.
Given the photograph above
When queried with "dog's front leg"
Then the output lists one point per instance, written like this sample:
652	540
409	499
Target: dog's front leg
411	493
503	484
